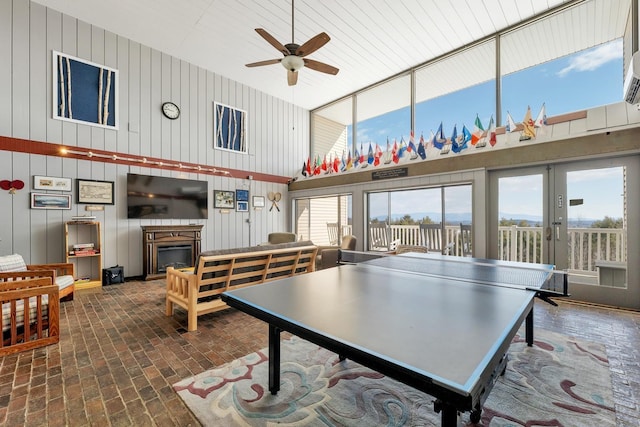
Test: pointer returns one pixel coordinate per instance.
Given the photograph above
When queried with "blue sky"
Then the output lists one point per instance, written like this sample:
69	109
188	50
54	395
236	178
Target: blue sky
584	80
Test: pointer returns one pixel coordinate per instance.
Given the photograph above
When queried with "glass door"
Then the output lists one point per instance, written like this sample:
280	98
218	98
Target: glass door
590	229
519	220
575	216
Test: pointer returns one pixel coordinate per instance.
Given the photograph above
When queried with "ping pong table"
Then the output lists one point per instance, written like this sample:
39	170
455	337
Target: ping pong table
440	324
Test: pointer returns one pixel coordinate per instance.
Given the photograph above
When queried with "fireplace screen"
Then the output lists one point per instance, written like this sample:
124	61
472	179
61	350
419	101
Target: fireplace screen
173	256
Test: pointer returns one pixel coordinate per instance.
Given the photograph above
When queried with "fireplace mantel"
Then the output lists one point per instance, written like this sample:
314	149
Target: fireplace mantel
158	236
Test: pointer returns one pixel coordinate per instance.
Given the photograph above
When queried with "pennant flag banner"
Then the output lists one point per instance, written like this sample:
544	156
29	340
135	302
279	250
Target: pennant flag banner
421	149
323	164
438	139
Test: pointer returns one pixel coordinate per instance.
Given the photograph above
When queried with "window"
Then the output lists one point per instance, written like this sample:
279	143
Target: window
331	128
395	216
448	93
323	220
384	114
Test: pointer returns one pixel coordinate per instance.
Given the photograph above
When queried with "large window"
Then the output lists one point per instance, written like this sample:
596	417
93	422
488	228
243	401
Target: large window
331	130
384	114
396	217
583	71
323	220
448	93
568	61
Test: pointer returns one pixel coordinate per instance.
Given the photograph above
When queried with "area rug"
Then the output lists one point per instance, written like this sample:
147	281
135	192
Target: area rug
560	381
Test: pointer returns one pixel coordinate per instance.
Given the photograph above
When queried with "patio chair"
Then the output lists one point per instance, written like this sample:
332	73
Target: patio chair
332	230
378	236
431	236
465	239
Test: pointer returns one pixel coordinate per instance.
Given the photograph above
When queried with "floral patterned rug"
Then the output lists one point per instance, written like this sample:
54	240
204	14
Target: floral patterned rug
560	381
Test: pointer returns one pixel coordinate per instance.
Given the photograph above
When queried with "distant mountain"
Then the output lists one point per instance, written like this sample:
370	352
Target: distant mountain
465	218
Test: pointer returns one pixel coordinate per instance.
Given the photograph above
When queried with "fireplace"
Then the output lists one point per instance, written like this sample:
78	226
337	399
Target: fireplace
174	256
165	246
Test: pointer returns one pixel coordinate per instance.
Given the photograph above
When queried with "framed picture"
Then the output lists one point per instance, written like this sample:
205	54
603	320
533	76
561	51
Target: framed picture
84	92
223	199
51	183
242	195
258	201
242	207
230	128
95	192
50	201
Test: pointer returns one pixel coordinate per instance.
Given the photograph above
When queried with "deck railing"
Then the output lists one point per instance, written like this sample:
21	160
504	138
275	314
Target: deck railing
527	244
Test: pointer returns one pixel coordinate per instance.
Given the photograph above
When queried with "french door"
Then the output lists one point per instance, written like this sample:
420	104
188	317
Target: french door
576	216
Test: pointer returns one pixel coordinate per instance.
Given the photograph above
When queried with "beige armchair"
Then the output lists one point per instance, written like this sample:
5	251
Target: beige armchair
328	255
281	237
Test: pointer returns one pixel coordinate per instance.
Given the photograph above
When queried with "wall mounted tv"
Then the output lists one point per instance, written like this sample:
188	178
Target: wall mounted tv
160	197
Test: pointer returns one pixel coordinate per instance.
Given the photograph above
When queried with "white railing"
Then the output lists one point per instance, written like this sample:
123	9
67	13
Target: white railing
527	244
520	244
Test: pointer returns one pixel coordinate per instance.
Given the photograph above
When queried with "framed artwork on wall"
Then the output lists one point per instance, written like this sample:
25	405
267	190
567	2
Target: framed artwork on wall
95	192
242	207
242	195
230	128
84	92
50	201
223	199
258	201
51	183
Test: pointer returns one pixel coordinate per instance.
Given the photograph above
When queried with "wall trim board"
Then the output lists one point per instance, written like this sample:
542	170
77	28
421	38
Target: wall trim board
94	155
609	143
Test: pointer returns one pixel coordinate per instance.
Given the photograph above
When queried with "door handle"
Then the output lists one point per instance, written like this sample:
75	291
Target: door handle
557	232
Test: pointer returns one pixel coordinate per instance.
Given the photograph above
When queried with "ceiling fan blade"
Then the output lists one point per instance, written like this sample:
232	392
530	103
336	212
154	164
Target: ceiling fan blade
314	44
292	77
261	63
272	41
320	66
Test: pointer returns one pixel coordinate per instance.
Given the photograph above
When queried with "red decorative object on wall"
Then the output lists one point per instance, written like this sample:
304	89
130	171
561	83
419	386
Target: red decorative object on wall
12	186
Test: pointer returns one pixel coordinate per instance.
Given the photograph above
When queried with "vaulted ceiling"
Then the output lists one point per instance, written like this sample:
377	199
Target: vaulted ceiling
370	39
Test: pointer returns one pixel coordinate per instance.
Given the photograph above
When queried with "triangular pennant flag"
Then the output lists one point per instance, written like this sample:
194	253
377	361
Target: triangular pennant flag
528	128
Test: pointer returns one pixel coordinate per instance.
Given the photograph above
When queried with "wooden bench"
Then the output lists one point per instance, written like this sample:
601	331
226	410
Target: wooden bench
198	292
30	314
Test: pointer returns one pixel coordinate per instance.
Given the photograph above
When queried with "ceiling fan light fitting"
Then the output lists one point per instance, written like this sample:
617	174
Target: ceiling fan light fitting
292	62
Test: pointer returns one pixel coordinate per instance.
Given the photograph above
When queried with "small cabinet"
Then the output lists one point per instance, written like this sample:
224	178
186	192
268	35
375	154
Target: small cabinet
83	247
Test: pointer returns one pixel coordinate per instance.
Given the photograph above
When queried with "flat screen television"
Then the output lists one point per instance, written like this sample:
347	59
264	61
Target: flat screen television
160	197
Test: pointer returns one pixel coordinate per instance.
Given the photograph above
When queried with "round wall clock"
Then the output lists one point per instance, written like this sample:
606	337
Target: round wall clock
170	110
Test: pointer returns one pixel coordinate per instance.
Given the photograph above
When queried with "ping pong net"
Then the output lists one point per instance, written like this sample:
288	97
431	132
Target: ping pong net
543	279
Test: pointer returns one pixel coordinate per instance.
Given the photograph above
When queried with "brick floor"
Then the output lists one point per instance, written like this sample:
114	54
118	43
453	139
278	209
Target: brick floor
119	355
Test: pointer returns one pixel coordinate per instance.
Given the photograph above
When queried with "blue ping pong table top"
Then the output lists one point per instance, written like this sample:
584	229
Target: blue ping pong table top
444	330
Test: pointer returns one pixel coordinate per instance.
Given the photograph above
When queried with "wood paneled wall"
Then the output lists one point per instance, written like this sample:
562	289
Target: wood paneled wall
277	135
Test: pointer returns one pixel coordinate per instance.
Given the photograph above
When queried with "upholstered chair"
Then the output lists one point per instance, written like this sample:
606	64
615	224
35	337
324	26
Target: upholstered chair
281	237
328	256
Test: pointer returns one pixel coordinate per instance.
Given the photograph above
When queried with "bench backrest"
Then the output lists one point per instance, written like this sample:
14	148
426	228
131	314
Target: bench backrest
218	273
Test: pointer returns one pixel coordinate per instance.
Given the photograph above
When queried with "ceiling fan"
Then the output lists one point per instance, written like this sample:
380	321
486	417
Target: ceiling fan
294	54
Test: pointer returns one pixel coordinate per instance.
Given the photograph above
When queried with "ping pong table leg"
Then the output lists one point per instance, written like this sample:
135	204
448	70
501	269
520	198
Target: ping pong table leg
449	417
529	328
274	359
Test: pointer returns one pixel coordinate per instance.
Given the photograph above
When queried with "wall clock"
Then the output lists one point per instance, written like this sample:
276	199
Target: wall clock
170	110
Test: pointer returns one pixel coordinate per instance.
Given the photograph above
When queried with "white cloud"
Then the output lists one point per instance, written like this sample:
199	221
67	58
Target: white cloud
593	58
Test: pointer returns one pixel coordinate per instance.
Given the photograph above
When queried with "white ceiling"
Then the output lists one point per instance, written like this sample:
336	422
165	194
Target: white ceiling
370	39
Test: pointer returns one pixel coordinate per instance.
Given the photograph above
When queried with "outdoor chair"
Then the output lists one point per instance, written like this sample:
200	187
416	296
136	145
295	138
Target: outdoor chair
465	239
